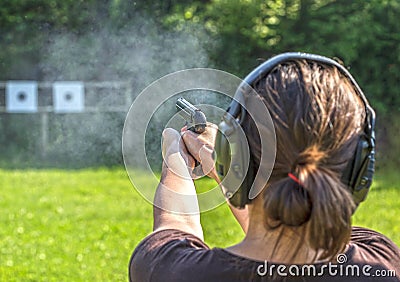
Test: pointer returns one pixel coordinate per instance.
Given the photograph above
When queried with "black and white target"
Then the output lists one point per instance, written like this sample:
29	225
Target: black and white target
21	96
68	97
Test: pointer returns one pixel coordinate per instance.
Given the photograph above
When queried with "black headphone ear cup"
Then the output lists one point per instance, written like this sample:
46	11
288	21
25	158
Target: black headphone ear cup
363	170
359	172
233	162
243	171
241	197
222	151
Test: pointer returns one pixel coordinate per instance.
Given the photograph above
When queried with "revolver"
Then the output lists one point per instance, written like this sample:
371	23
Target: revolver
195	121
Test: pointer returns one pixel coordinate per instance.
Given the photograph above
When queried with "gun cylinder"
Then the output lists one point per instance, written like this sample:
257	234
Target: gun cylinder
195	117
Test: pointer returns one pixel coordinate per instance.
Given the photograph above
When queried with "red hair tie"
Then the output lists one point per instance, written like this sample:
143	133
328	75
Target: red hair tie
294	178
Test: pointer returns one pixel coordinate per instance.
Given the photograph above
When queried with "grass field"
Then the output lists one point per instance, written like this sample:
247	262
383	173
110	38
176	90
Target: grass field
82	225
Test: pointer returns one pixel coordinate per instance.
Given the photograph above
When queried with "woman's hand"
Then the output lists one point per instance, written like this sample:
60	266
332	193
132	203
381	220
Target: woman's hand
201	147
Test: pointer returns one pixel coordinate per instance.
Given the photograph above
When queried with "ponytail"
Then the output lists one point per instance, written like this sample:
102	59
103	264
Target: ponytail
317	201
318	117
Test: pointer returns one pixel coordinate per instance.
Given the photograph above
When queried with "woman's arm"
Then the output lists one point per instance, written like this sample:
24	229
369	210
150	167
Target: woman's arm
201	147
175	201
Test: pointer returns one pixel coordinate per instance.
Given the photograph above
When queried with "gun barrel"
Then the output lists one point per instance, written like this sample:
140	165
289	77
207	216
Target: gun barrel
195	121
186	107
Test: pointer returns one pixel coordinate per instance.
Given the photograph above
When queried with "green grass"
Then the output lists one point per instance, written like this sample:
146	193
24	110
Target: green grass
82	225
381	210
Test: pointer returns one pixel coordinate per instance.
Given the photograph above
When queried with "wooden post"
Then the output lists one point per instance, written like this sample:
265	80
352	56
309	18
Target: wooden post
44	132
128	95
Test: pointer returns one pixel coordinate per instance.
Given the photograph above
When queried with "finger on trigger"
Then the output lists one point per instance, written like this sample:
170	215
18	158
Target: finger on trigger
191	142
184	128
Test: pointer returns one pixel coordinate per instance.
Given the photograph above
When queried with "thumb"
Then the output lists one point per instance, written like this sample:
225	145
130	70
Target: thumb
170	141
173	152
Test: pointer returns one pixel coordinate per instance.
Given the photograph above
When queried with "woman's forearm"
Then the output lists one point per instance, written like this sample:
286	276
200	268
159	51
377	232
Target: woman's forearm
175	202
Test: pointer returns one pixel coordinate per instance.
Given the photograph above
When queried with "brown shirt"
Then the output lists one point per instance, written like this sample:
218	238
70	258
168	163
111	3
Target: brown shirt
173	255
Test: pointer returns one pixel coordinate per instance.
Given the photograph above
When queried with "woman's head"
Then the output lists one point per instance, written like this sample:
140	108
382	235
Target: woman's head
318	117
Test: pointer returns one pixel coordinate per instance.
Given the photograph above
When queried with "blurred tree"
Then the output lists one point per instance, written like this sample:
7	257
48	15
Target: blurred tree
365	35
25	27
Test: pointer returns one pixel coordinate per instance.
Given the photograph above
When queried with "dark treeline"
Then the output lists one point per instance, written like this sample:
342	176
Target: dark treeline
140	41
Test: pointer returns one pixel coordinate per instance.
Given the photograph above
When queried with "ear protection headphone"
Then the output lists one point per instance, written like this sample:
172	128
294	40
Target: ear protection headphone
231	155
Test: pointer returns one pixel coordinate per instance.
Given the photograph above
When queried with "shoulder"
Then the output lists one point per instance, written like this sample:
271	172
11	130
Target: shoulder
158	239
163	249
369	247
374	241
174	255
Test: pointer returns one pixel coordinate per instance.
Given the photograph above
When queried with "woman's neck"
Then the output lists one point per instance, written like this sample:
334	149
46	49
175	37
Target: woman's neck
282	244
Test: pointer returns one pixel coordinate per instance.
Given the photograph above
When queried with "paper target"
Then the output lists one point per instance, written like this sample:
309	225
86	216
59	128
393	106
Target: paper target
68	97
21	96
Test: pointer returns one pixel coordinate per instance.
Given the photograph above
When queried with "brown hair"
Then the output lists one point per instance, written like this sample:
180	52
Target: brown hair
317	117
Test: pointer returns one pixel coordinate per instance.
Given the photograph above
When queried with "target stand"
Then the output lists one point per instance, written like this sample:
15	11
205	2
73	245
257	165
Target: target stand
32	97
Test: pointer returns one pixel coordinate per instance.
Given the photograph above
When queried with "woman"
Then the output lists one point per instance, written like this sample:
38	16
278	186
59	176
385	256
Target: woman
299	227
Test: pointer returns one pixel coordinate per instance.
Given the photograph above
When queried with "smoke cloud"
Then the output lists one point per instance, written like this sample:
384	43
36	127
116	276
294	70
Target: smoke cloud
132	58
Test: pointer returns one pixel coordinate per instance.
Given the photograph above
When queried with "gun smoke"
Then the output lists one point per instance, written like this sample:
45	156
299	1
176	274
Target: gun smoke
133	57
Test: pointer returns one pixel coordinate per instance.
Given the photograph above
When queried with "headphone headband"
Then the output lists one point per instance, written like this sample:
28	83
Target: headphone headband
262	70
